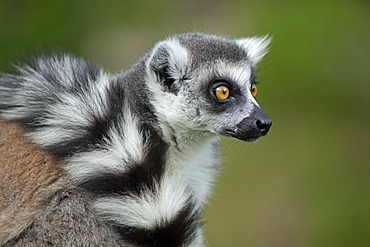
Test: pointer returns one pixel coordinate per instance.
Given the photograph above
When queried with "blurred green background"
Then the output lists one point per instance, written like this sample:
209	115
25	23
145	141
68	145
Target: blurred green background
308	182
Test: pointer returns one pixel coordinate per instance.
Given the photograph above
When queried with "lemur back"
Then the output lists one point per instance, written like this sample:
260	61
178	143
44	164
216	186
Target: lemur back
137	151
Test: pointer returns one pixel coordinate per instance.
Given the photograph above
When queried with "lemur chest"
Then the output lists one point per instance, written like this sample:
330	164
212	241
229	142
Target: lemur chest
198	166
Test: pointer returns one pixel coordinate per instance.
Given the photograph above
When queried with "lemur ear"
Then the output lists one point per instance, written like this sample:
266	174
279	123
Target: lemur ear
169	62
256	47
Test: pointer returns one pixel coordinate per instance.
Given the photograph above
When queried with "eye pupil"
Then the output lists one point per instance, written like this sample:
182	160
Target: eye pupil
222	93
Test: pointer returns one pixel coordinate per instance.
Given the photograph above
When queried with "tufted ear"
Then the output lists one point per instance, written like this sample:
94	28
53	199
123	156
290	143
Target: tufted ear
256	47
169	62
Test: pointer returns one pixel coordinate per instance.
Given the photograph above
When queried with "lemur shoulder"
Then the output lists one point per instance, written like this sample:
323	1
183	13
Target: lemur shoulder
126	159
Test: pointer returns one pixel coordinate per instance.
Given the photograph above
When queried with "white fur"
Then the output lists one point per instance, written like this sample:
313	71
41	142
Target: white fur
178	57
124	146
256	47
74	111
168	104
148	210
201	167
85	165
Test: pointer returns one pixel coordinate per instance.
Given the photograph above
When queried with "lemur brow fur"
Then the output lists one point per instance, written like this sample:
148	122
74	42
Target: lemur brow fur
135	154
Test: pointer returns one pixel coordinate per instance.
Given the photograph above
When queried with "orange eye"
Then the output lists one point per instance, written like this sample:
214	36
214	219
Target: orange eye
222	93
254	90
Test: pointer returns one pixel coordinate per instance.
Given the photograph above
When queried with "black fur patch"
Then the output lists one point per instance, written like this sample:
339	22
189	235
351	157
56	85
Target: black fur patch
64	75
96	130
167	80
83	73
139	177
161	66
180	231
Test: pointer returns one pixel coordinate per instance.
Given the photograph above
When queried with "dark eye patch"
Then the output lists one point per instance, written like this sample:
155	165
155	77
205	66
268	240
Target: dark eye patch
216	105
235	91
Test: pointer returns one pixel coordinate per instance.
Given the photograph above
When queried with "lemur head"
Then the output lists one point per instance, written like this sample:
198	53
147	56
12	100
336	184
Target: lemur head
207	83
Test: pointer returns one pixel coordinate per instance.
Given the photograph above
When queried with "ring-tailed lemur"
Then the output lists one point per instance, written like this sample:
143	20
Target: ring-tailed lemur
142	145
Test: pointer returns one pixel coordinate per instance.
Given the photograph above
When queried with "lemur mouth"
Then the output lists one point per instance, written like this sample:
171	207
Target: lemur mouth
248	136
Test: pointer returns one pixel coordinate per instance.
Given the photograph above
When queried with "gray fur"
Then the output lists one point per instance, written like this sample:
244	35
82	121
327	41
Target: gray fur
68	220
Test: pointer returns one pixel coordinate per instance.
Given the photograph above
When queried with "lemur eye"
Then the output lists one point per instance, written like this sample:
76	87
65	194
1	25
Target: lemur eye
254	90
222	92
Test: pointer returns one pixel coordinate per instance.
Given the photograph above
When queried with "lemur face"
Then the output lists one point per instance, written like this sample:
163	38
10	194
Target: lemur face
226	102
209	84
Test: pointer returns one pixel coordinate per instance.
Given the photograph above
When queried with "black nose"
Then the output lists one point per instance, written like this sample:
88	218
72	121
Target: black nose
264	125
254	126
